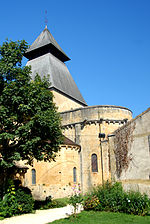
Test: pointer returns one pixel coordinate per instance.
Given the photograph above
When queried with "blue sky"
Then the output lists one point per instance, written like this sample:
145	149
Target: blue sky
108	42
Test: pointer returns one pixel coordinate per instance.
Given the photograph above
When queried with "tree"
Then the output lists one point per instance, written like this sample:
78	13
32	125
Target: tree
29	123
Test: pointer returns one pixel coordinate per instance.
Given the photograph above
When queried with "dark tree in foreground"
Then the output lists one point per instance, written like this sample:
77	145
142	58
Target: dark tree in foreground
29	123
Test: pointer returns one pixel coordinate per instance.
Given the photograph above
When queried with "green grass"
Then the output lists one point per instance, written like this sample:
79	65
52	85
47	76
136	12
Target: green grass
91	217
55	203
63	200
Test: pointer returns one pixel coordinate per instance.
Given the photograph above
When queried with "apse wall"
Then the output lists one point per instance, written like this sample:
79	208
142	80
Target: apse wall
83	126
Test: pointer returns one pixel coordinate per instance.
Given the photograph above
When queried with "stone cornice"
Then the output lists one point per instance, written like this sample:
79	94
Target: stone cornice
89	122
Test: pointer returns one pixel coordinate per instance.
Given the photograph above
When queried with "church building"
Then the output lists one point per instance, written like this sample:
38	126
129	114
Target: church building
84	157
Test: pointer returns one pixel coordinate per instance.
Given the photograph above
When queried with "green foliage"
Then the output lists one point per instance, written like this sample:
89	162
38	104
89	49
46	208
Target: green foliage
49	203
136	203
16	202
30	126
92	203
24	200
76	198
111	197
93	217
8	205
64	201
11	54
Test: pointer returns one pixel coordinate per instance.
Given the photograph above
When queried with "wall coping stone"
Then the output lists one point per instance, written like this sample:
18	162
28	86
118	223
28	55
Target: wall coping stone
97	106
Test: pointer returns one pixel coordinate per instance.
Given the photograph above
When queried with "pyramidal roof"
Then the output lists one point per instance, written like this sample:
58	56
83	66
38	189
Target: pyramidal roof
46	43
47	59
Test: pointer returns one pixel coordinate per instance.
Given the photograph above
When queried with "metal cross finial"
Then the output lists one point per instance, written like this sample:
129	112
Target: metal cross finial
46	20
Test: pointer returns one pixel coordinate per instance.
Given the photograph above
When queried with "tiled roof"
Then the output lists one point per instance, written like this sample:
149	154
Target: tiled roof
68	141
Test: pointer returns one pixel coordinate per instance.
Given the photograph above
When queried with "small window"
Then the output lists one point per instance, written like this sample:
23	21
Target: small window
33	176
74	174
94	163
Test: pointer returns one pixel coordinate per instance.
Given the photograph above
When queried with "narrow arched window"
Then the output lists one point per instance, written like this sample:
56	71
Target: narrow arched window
74	174
94	163
33	176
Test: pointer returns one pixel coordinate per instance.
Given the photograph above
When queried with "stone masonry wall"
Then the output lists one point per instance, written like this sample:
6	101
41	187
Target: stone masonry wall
64	103
83	126
54	178
137	175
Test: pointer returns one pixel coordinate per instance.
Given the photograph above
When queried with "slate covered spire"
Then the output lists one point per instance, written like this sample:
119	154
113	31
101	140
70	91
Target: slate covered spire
47	58
45	43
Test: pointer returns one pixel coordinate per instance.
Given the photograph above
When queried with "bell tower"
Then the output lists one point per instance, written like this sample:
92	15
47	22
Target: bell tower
48	59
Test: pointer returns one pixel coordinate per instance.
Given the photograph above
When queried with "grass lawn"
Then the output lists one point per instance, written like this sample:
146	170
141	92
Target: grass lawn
104	218
63	200
55	203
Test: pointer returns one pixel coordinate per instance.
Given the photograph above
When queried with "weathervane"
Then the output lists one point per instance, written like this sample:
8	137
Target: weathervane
46	20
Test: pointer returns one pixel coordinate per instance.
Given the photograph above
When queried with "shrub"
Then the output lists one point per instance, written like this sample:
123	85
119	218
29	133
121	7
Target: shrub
24	200
16	202
49	203
112	198
58	203
43	204
76	198
92	203
136	203
8	206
